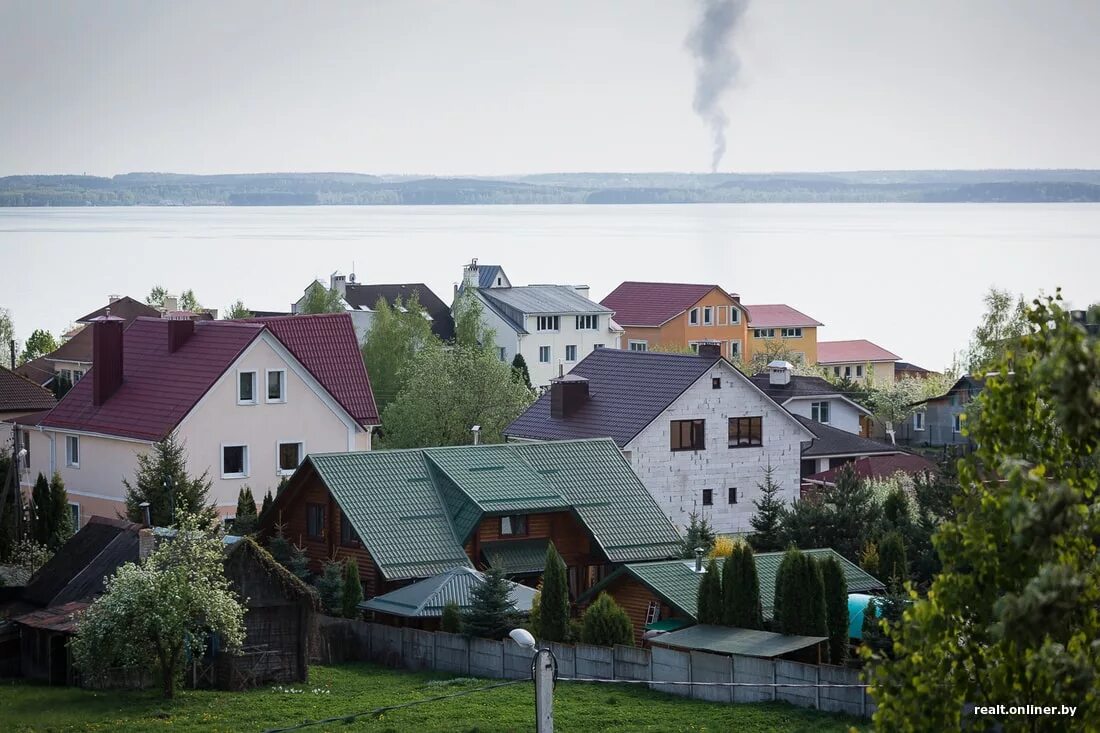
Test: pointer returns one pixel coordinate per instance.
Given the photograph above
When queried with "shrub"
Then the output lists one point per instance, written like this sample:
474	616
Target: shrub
353	589
741	591
723	547
490	614
554	600
799	596
893	565
710	595
451	621
836	608
330	586
606	623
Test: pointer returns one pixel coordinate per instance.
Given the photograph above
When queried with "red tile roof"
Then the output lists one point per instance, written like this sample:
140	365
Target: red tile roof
777	315
878	467
326	345
651	304
839	352
19	393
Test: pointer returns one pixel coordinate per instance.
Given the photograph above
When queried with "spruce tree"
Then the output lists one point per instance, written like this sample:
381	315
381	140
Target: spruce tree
554	598
520	372
246	519
163	481
491	614
298	562
893	565
799	596
836	608
451	620
741	590
353	589
279	547
710	595
268	501
605	623
61	516
42	509
330	586
699	534
767	522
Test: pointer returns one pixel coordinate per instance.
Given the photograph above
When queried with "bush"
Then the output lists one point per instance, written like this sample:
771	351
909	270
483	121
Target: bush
606	623
893	565
451	621
353	589
741	591
723	547
330	586
491	614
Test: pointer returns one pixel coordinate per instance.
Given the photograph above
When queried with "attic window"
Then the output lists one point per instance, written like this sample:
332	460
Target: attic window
716	383
246	388
348	535
513	526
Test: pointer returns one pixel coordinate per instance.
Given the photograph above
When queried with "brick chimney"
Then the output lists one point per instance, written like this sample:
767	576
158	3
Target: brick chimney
106	357
470	274
146	542
711	350
179	330
171	303
779	372
567	395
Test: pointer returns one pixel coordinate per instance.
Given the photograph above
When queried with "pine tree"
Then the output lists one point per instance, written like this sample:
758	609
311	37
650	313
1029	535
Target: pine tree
554	601
299	562
353	589
893	564
330	586
61	517
279	547
490	614
699	534
245	521
451	620
605	623
800	596
42	509
268	501
741	606
520	372
836	608
163	481
767	522
710	595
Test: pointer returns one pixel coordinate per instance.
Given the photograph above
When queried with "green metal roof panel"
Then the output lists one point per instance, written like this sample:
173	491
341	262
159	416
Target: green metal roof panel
428	597
610	500
396	510
464	513
517	557
669	624
727	640
767	567
496	479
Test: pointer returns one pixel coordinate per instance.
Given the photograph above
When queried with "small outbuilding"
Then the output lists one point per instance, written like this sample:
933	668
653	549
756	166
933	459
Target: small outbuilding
745	643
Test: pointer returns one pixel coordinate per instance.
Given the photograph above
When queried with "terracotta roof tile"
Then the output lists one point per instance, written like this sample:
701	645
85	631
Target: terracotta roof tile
879	467
778	315
651	304
839	352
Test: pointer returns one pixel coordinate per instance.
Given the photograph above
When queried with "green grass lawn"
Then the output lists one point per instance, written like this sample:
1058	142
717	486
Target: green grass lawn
338	691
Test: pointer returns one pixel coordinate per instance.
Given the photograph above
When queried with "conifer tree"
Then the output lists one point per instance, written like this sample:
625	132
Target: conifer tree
245	521
353	589
279	547
42	508
163	481
799	596
451	620
836	608
892	564
554	598
268	501
520	372
710	595
299	562
491	614
61	516
767	522
699	534
605	623
330	586
741	606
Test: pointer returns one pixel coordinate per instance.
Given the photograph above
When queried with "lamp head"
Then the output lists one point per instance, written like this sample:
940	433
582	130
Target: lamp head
523	638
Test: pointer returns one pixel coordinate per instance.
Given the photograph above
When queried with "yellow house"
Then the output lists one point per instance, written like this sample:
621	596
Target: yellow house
857	360
775	324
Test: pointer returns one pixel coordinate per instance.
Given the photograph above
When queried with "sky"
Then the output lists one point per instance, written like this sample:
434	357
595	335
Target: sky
489	87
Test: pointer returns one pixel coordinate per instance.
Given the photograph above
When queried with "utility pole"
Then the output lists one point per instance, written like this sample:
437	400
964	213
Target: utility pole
544	691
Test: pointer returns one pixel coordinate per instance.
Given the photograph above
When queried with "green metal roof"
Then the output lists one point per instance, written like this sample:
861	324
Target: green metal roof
414	509
727	640
669	624
678	584
428	597
517	557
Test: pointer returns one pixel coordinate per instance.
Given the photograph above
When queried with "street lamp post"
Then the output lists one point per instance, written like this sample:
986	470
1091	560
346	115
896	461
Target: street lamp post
542	670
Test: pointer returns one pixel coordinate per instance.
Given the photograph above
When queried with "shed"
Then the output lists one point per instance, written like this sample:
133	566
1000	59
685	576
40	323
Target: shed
744	642
421	604
44	642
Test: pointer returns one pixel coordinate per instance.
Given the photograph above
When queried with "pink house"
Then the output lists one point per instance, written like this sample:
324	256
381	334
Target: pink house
248	398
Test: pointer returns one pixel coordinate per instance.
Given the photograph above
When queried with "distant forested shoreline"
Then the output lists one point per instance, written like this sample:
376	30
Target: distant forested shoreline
320	189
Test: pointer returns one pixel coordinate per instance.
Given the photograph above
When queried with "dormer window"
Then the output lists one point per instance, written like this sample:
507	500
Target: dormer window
246	388
548	323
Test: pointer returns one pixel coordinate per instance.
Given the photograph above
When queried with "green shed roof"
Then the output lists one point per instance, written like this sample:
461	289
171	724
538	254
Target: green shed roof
517	557
428	597
727	640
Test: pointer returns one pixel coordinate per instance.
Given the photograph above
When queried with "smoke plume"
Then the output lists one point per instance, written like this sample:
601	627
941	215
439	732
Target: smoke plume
716	66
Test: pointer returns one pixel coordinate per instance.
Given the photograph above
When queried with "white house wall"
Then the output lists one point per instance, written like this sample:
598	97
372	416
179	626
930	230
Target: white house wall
842	415
568	335
676	479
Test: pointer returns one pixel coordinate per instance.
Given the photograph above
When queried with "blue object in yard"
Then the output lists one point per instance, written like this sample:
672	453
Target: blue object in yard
858	605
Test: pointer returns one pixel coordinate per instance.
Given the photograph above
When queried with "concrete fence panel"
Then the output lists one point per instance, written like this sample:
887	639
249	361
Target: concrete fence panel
486	658
632	663
517	661
417	649
566	657
787	672
385	645
669	665
335	640
595	662
753	669
711	668
452	653
841	699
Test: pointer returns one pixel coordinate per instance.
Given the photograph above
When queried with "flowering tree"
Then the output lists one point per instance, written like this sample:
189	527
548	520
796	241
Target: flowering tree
165	607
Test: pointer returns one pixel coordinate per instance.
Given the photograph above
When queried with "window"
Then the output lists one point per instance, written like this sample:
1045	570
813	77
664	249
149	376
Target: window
246	388
716	383
72	451
315	521
348	535
836	371
276	385
735	315
77	374
745	432
234	461
67	375
513	526
859	370
502	353
819	411
708	497
653	613
763	333
571	353
792	333
25	436
735	349
290	455
687	435
847	372
549	323
597	346
639	345
74	511
708	315
693	317
588	323
957	424
732	495
544	354
918	421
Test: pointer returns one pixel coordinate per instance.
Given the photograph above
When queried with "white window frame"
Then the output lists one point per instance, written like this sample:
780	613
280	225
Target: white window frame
848	371
547	324
735	316
859	370
816	409
70	442
735	349
587	323
78	374
836	371
763	333
549	355
637	342
279	470
792	333
693	317
567	348
247	461
255	387
708	315
267	386
918	420
76	520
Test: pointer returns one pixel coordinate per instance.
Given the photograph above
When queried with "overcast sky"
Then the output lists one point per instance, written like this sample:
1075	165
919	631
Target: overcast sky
492	87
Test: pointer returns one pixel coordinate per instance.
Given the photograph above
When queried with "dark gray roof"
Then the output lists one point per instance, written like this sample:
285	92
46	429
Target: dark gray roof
799	386
19	393
627	390
360	295
832	441
77	571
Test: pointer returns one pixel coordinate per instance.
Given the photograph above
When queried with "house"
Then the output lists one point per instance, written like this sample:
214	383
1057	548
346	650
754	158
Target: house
938	421
19	396
876	467
552	326
776	325
421	604
832	447
407	515
247	398
813	397
904	369
360	299
663	596
857	360
697	432
679	316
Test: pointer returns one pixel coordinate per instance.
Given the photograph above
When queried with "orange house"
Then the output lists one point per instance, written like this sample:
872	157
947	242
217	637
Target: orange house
679	316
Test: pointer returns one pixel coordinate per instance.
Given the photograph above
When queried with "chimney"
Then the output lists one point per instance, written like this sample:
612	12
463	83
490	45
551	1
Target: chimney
469	274
339	283
113	298
582	290
178	333
779	373
171	303
698	559
106	357
567	395
711	350
146	542
736	298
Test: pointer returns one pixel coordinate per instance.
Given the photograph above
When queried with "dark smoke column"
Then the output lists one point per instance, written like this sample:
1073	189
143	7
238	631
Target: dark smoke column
716	65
